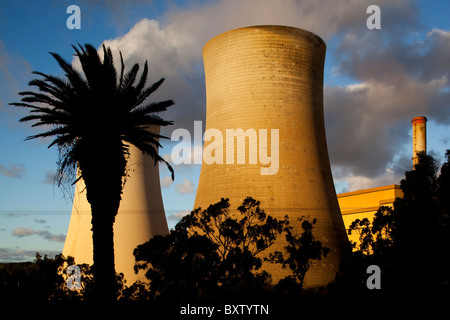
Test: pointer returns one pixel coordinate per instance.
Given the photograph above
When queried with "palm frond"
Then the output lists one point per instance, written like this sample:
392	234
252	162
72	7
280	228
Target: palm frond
74	77
34	97
21	104
148	120
63	139
91	66
153	107
96	109
55	86
109	73
146	93
129	78
49	119
44	111
122	68
143	79
52	132
149	149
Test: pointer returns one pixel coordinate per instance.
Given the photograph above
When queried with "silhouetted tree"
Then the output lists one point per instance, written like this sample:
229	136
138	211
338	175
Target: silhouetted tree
93	119
179	267
45	280
86	291
210	251
239	236
30	281
301	250
411	241
38	281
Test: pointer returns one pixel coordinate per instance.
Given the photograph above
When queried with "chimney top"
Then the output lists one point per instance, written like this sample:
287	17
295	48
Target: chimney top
419	133
420	119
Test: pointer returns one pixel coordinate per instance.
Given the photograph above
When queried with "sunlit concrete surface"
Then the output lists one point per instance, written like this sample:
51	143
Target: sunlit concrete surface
271	77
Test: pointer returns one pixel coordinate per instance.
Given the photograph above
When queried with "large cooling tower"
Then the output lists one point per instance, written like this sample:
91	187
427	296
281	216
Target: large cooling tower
140	217
271	77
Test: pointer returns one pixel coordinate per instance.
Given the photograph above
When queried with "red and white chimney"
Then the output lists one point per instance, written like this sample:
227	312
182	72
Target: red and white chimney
419	134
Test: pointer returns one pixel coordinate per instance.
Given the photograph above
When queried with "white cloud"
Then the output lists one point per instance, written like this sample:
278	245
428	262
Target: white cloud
174	49
40	220
50	177
166	182
361	182
438	32
178	215
14	72
185	187
356	87
367	122
45	234
19	255
13	170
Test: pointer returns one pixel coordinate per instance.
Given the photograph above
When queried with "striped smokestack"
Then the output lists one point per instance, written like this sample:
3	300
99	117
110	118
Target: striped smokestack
419	134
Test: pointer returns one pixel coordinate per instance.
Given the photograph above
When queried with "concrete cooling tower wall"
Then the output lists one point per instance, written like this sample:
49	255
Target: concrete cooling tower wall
268	81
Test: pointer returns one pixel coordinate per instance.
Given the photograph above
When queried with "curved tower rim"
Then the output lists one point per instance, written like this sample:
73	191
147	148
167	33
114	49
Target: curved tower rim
267	27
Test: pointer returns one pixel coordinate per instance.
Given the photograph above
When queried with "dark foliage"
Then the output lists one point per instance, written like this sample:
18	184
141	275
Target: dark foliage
301	251
45	280
218	253
28	281
411	241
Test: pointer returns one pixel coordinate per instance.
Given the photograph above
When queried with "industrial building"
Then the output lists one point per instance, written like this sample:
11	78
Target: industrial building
362	204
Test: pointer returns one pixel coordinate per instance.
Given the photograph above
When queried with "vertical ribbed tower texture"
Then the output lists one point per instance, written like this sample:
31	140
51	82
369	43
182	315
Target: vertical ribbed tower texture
140	217
271	77
419	134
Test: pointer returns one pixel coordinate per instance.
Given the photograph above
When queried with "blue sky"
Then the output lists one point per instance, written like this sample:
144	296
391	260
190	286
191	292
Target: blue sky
375	82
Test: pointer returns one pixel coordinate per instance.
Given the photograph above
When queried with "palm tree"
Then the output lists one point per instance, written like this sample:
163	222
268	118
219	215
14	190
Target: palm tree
93	119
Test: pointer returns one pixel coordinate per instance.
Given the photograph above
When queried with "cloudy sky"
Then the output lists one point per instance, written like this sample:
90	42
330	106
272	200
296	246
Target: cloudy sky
376	81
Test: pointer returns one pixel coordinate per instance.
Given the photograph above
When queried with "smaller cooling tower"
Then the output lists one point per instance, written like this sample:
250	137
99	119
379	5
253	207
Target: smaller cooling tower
140	217
419	133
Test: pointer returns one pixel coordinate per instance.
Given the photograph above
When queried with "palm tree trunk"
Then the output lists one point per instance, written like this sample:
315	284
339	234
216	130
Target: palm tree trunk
103	190
104	267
